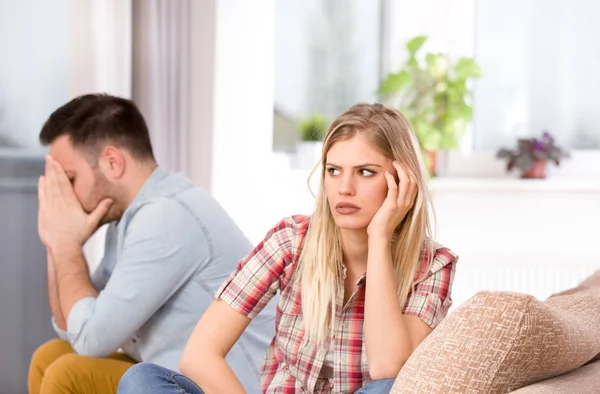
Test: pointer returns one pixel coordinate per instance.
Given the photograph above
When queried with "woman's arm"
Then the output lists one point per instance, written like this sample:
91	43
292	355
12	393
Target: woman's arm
239	299
203	359
390	336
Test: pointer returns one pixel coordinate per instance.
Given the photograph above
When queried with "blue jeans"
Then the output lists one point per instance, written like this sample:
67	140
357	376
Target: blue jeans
147	378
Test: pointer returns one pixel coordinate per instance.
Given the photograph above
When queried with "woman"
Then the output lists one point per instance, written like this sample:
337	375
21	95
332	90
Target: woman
336	331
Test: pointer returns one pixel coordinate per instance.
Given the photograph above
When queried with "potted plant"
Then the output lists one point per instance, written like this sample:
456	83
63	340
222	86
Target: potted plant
433	92
312	131
532	155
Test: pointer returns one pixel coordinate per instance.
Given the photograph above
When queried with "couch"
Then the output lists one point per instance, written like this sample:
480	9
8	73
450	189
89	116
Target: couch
502	342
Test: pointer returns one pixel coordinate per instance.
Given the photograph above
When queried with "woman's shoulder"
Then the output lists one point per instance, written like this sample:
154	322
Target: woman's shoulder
443	259
442	255
290	229
295	223
286	238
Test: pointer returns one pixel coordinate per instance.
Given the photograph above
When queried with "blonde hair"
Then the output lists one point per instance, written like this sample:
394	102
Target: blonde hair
320	262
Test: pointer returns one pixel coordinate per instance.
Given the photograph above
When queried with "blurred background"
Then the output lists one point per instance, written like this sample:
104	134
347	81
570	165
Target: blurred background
236	95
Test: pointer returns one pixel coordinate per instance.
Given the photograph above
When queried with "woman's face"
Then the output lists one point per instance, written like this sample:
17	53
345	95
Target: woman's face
354	182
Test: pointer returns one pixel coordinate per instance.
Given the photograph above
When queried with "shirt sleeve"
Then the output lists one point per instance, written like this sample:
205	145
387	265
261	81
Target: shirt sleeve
164	246
258	276
431	298
62	334
99	276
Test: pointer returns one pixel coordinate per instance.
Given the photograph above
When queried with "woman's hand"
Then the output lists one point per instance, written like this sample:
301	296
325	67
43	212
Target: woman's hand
400	199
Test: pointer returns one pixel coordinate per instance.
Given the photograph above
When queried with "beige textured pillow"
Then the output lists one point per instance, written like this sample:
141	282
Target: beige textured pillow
582	380
497	342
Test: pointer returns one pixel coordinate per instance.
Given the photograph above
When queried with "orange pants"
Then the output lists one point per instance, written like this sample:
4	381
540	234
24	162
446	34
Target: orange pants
56	368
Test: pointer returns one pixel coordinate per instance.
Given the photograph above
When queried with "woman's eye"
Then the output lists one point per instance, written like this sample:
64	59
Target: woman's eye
333	171
365	172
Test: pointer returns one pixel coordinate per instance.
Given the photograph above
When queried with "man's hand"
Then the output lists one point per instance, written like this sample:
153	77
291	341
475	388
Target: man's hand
62	222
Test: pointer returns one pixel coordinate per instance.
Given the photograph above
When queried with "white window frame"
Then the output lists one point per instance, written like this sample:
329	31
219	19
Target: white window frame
440	19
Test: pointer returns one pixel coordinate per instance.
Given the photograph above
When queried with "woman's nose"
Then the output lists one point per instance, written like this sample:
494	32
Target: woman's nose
347	185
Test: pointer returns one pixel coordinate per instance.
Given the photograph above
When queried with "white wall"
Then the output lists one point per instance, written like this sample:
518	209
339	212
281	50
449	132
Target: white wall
513	235
99	61
232	107
34	70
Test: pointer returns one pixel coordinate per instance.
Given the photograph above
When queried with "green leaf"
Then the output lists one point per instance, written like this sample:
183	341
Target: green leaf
524	162
437	64
313	128
415	44
412	62
466	68
461	111
394	83
429	136
435	95
448	141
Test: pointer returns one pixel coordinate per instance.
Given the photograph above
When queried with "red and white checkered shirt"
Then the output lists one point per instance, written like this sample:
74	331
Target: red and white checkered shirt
293	364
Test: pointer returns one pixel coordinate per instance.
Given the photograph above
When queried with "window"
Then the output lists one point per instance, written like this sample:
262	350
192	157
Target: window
34	71
540	60
327	58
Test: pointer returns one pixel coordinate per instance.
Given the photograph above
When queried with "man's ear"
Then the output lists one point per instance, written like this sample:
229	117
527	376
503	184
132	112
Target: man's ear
112	162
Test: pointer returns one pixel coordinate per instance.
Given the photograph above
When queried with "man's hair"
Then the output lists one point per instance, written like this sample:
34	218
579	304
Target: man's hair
93	120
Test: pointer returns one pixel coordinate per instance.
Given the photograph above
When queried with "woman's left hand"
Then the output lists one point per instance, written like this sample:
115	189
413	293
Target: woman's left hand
400	199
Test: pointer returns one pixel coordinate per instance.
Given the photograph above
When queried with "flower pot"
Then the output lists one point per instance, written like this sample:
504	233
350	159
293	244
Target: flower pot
431	163
536	171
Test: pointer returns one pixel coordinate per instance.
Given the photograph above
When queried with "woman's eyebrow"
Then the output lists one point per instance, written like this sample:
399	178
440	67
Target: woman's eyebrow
358	166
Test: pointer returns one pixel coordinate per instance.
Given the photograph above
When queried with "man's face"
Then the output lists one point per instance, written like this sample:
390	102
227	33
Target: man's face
90	185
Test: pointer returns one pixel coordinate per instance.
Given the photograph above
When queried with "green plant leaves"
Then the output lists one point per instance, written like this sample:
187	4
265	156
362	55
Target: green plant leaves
313	128
428	135
438	65
433	93
466	68
415	44
394	83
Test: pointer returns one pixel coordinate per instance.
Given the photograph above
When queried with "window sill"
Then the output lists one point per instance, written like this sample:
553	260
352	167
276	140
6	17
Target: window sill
486	185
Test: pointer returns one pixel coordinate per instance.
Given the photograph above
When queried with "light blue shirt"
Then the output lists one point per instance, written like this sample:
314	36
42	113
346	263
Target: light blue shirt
163	261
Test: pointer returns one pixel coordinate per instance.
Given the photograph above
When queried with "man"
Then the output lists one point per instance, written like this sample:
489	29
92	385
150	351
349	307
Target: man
169	246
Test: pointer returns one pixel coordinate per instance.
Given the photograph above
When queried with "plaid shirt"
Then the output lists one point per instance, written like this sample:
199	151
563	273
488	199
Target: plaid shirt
293	364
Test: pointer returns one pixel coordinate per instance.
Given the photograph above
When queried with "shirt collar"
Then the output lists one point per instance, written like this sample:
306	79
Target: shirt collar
147	189
157	175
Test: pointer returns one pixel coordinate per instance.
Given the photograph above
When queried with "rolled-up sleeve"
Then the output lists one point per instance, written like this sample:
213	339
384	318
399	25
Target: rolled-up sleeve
164	246
62	334
258	276
431	298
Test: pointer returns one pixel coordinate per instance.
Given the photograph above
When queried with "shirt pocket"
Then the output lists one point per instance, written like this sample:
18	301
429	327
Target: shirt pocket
289	331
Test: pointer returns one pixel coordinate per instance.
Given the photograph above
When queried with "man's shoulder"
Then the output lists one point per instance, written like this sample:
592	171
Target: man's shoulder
158	213
174	194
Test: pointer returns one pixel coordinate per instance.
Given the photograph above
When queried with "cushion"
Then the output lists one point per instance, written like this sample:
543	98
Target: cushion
497	342
582	380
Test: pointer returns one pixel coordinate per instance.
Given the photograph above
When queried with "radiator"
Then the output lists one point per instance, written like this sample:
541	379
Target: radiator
537	275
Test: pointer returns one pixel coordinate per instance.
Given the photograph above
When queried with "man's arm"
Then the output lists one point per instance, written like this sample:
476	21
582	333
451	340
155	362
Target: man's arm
72	278
53	294
163	248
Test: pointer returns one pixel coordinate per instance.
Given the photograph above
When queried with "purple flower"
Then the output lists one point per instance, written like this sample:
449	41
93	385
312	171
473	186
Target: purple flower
547	137
537	145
